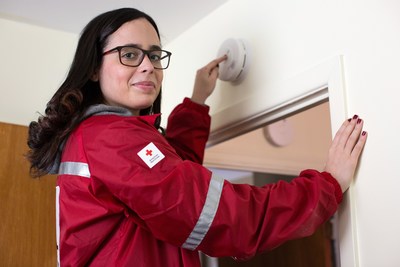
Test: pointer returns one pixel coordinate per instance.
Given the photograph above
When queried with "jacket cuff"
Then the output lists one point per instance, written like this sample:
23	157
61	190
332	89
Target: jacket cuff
334	182
187	102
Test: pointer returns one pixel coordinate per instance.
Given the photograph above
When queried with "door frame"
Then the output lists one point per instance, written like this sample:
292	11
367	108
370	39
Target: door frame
325	82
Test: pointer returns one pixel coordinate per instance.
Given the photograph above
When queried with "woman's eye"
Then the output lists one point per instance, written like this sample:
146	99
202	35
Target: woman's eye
155	57
129	55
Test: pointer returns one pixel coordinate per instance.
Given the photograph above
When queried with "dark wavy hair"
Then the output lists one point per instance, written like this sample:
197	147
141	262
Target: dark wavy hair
78	92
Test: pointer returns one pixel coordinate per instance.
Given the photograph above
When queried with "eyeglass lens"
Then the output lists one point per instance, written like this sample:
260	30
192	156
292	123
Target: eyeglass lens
132	56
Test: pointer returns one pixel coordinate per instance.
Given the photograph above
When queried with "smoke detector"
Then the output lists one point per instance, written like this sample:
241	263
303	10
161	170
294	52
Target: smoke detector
235	67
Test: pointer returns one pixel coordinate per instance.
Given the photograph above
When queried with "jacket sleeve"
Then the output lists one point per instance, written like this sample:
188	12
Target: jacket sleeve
184	204
188	130
252	219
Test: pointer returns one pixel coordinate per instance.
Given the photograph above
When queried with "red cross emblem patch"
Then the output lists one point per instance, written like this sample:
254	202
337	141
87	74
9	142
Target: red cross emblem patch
151	155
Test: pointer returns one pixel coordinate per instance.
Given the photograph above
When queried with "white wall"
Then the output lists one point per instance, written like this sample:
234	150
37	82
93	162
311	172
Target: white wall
34	61
287	38
290	37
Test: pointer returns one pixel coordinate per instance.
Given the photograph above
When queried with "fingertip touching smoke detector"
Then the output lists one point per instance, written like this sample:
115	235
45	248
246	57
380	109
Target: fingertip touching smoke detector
235	67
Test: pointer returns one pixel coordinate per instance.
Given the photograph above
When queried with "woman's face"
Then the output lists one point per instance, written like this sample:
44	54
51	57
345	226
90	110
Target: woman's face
134	88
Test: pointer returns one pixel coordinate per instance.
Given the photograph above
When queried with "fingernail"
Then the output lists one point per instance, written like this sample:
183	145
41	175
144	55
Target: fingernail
349	120
364	133
355	117
359	121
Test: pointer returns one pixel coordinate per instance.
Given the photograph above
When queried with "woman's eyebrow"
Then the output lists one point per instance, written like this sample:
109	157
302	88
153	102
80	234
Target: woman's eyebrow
155	47
152	47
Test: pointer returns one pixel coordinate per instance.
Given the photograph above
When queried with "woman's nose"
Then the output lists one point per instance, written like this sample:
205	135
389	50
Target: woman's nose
146	64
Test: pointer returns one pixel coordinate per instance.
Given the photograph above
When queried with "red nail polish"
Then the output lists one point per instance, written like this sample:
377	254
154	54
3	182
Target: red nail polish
359	121
355	117
364	133
349	120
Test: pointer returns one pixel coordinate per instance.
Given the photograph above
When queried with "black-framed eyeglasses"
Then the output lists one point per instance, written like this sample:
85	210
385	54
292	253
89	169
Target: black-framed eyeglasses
133	56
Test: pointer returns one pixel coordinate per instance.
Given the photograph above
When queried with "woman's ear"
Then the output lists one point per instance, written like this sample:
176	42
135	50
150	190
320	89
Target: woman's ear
95	76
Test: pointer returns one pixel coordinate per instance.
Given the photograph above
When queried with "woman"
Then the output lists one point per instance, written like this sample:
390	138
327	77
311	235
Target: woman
129	194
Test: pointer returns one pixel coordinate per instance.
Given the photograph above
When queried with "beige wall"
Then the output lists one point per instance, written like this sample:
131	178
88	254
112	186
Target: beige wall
286	38
34	61
306	148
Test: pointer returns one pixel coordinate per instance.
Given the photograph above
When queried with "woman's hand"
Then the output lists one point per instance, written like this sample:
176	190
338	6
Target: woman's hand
345	151
205	81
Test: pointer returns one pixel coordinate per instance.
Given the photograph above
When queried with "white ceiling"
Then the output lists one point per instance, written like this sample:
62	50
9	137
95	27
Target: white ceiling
172	16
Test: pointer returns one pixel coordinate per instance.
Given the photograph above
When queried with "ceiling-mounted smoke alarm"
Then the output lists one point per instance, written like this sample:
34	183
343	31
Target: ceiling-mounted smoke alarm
234	68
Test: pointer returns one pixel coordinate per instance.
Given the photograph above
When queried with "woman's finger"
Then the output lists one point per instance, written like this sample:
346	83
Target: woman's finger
355	154
213	64
339	133
354	135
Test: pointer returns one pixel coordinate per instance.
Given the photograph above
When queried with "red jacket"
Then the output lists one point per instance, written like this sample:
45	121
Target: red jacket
129	196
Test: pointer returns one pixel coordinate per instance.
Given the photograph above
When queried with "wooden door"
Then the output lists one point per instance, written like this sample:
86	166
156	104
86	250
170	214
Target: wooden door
27	206
313	251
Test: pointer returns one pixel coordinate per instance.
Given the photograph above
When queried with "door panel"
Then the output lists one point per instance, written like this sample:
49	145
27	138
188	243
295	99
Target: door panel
27	206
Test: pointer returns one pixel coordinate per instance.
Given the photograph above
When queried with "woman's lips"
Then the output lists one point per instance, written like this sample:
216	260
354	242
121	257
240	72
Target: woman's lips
147	85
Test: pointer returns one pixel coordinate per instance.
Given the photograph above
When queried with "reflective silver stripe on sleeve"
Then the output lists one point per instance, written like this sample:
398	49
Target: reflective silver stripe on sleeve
74	168
207	214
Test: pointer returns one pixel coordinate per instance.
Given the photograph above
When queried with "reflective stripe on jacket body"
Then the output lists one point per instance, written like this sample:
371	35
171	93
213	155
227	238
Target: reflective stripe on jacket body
128	196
